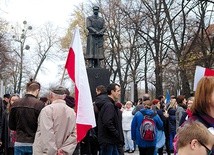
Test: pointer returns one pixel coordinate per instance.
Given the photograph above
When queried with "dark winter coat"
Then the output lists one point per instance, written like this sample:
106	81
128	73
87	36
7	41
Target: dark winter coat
109	122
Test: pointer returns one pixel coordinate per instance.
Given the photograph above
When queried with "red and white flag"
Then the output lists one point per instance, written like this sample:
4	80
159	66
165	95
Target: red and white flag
200	72
76	69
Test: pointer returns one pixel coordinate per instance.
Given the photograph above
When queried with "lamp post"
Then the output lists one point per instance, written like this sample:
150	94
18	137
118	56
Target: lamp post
21	39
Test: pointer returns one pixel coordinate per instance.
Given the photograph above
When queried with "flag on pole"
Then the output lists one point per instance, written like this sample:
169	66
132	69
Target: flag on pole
200	72
76	69
167	97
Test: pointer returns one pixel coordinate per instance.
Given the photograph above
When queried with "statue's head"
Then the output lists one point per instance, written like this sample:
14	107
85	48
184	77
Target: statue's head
96	10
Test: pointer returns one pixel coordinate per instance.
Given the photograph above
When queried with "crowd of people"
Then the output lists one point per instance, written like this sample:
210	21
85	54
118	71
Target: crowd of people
171	122
34	125
47	125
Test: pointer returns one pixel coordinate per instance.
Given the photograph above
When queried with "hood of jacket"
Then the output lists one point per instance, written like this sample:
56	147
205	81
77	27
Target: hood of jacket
100	100
147	111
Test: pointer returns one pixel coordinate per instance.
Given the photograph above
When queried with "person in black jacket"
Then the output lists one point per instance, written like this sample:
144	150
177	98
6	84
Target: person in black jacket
172	122
110	133
89	145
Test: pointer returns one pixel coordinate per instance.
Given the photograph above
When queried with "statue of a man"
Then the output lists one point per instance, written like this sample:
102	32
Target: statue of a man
96	28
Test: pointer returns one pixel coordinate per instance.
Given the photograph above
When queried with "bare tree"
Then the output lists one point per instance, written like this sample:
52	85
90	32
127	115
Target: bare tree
184	31
47	45
123	48
5	59
203	46
153	31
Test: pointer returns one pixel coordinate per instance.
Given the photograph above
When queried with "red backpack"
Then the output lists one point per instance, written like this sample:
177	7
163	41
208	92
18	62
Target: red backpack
148	127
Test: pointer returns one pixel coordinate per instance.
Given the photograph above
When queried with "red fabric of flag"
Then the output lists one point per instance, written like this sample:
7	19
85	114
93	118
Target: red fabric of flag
201	72
76	69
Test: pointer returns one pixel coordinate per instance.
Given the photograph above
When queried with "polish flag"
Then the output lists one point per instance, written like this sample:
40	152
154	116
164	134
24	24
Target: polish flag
76	69
200	72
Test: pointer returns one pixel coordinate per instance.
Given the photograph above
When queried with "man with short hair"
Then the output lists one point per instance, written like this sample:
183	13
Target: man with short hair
23	118
194	139
56	133
110	133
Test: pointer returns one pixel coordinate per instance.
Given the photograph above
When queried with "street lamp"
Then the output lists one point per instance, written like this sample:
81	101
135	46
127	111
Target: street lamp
21	39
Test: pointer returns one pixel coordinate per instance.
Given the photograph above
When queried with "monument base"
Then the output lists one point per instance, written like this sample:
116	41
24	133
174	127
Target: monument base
96	77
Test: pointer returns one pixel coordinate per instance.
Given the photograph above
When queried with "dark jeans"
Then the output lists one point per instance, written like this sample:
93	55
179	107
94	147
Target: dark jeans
147	150
23	150
109	149
171	137
160	151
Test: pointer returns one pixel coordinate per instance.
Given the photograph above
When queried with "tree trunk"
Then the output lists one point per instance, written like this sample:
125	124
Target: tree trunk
185	83
158	83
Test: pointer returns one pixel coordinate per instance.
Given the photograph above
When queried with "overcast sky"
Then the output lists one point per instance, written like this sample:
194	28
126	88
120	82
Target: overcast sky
37	13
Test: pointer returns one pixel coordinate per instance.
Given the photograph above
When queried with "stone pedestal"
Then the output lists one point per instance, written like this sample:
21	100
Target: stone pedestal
96	77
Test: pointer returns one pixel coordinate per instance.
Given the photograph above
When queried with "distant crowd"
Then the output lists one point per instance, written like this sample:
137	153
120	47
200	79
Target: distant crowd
47	125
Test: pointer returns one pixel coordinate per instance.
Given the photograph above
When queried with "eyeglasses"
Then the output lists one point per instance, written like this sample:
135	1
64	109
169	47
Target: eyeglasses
209	152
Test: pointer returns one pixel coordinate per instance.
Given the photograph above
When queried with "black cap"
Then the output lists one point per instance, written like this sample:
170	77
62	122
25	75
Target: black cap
95	8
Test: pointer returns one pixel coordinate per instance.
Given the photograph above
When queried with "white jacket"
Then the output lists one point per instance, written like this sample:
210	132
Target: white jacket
127	119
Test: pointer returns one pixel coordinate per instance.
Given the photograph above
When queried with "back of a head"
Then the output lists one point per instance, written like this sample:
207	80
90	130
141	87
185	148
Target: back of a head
180	99
155	101
58	92
33	86
43	99
146	101
160	97
146	97
101	89
198	132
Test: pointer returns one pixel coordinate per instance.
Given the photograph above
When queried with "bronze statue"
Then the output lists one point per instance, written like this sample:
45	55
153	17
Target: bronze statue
96	28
